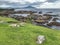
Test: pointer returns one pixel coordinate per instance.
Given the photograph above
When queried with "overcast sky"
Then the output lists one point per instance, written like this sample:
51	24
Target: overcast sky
34	3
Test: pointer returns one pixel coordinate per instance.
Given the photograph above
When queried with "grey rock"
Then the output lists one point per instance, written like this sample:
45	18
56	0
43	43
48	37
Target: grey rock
40	39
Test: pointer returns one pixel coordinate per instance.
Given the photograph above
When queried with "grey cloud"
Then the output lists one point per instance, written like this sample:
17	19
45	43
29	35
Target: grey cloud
17	4
52	0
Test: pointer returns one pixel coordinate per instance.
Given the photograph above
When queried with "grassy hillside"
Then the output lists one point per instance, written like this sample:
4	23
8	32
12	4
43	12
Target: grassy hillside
27	35
6	19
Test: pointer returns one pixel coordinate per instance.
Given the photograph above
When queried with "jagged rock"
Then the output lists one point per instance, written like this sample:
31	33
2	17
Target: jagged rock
40	39
55	19
40	12
54	23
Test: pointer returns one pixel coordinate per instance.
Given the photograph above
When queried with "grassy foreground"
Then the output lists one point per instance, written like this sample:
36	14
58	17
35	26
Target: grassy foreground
27	35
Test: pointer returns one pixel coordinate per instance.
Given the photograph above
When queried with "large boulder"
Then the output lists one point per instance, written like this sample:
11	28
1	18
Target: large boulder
40	39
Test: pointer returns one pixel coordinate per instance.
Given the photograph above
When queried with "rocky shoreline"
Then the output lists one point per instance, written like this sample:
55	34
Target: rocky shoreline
37	18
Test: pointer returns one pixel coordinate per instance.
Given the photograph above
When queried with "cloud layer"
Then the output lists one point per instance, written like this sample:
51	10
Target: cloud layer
34	3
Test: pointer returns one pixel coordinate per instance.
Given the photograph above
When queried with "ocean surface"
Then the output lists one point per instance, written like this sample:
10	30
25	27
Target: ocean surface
57	11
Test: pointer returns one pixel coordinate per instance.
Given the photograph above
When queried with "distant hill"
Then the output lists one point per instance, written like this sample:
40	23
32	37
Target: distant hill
28	8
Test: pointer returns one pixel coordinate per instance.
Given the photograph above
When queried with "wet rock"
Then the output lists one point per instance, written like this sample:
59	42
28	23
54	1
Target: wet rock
55	19
51	15
41	21
40	12
54	23
40	39
49	12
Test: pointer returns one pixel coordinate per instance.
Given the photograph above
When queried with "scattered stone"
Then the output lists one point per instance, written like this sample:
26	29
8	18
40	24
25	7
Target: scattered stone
22	24
2	22
14	25
40	39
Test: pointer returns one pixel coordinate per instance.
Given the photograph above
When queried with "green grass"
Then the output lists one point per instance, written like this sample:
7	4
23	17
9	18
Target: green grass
27	35
6	19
